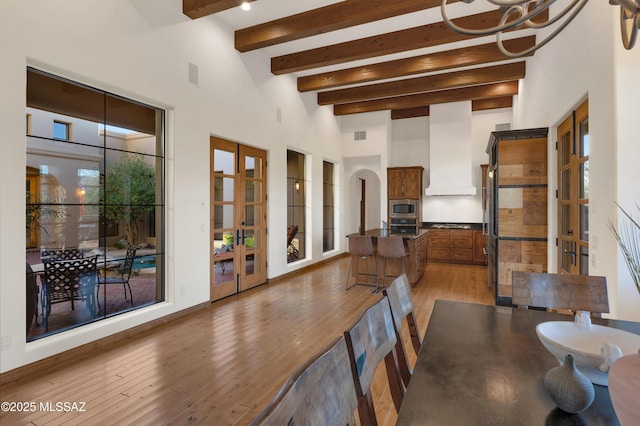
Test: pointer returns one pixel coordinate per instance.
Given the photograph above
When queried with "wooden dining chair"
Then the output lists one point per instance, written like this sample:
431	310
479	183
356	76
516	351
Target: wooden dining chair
399	295
369	341
320	393
560	291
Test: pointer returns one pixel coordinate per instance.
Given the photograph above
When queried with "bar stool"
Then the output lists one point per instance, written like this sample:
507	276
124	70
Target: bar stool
391	248
361	246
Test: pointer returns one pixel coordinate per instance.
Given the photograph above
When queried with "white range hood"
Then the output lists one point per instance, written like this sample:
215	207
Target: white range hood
450	149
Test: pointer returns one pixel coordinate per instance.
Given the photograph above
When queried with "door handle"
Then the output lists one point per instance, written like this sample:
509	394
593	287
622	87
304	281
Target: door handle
242	236
237	237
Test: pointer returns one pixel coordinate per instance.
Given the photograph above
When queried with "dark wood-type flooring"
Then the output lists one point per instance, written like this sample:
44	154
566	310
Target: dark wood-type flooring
221	365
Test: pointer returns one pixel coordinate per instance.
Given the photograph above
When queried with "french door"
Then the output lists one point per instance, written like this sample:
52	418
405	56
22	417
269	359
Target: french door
238	218
573	192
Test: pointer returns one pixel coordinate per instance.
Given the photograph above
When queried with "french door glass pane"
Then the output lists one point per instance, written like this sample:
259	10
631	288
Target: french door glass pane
253	191
566	226
567	255
565	185
584	180
584	138
565	149
224	162
223	216
584	222
253	215
253	167
223	189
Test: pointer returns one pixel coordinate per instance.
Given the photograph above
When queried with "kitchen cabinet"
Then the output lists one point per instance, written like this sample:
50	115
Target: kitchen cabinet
517	192
479	246
456	246
415	246
404	182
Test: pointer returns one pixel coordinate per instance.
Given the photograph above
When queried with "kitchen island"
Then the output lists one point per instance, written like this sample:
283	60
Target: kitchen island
415	245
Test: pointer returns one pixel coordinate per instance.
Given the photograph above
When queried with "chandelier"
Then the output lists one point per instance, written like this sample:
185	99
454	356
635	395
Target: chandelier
521	13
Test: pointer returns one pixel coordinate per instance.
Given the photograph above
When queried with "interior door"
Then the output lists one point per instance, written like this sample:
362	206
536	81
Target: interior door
573	192
238	218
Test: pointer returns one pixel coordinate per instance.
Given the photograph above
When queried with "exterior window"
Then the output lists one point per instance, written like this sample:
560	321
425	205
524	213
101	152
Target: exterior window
295	206
328	207
91	197
61	130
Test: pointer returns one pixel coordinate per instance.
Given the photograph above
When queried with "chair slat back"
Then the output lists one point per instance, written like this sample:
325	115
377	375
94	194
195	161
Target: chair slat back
401	303
369	341
400	299
320	393
128	262
560	291
60	254
66	279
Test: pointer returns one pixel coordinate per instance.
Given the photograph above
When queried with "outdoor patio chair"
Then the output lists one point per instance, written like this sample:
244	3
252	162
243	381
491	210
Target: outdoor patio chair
123	274
69	281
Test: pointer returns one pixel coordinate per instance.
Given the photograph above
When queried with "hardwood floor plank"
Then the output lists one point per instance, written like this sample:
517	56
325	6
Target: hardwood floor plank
224	364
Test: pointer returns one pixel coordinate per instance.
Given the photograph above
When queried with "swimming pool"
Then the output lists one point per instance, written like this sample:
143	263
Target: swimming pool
143	262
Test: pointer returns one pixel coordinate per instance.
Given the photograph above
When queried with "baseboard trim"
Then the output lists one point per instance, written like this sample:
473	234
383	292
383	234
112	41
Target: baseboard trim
63	359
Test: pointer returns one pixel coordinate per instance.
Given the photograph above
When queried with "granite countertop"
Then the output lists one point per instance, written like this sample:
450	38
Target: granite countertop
375	233
451	225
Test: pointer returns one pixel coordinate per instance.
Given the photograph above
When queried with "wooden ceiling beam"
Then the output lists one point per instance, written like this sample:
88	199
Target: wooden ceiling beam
195	9
466	56
486	91
476	105
430	83
325	19
492	103
382	44
399	114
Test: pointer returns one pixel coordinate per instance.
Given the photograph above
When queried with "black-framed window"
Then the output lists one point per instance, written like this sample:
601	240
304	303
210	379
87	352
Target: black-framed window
95	185
296	226
328	206
61	130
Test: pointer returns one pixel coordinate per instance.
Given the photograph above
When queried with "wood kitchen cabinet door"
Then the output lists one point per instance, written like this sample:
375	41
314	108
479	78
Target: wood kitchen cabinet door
404	182
479	244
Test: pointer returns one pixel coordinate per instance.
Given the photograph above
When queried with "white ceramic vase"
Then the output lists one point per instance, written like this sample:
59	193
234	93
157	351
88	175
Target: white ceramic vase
624	389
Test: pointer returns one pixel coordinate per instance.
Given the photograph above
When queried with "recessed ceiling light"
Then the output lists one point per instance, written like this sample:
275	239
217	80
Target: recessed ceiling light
246	6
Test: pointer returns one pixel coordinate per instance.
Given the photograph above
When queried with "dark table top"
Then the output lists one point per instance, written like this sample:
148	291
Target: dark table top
482	365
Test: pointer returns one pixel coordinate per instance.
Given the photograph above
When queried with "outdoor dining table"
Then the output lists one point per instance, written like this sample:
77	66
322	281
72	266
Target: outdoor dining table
482	365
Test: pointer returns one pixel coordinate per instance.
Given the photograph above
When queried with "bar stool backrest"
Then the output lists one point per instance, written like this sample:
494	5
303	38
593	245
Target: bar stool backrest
360	245
391	247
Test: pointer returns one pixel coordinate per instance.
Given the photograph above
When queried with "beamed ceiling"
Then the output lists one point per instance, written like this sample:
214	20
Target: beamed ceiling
374	55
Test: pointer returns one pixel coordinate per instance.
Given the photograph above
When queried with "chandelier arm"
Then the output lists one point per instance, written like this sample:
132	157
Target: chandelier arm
578	4
630	5
499	28
537	46
629	36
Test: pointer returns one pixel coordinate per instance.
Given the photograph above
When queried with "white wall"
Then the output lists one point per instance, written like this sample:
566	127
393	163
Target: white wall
141	49
410	147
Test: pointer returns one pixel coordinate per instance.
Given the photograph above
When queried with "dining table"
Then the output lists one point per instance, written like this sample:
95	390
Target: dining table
484	365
